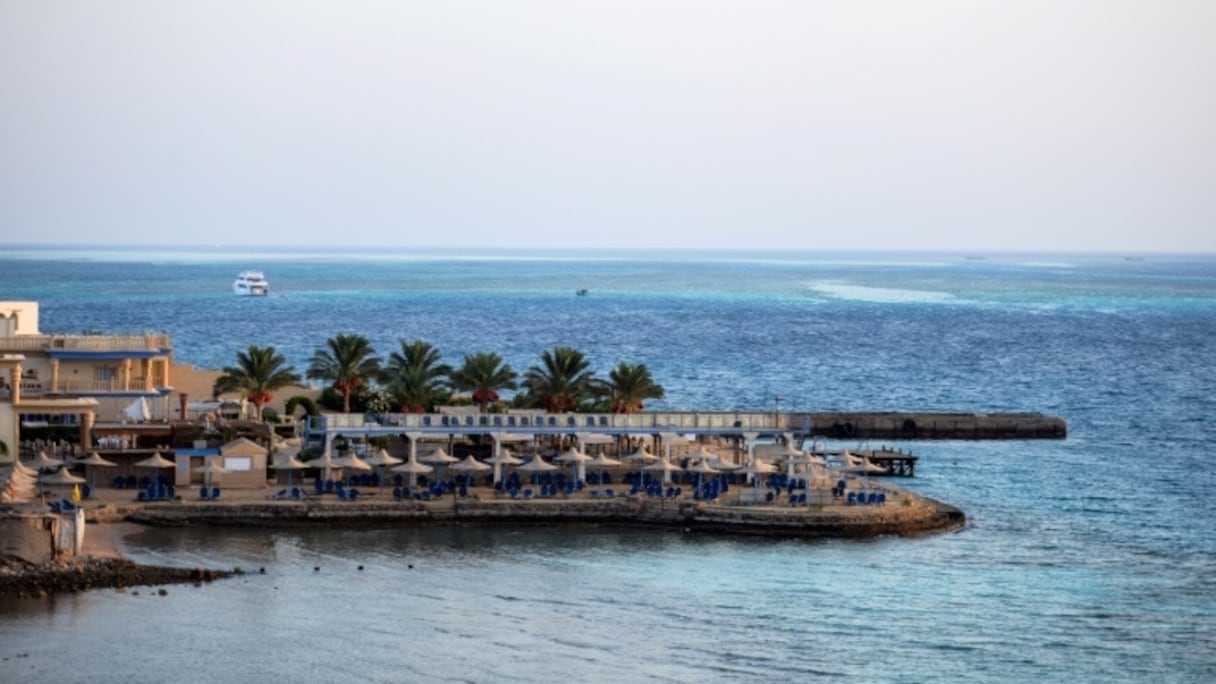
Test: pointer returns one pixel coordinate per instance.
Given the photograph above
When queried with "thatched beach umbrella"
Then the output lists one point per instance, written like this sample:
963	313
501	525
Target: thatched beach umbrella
469	466
702	468
579	459
663	466
382	459
325	462
63	478
536	466
41	462
601	463
413	468
500	459
756	468
95	461
351	461
289	462
438	458
155	462
209	468
641	457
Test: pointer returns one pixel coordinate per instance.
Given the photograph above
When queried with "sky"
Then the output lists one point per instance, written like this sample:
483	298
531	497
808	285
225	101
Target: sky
935	125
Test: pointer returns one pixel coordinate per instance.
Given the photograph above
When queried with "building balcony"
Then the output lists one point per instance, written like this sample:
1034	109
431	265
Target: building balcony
150	342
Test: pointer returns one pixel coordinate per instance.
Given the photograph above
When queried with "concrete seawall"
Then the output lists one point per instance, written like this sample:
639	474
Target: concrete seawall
911	515
896	425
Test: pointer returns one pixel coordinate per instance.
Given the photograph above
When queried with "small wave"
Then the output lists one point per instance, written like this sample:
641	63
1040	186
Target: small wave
881	295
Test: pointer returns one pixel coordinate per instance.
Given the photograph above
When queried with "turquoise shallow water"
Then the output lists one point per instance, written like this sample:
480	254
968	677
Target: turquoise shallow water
1090	558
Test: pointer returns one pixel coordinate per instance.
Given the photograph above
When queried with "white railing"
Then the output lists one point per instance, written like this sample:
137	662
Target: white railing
653	422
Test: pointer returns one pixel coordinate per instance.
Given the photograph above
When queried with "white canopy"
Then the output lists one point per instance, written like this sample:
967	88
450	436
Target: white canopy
594	438
137	410
513	437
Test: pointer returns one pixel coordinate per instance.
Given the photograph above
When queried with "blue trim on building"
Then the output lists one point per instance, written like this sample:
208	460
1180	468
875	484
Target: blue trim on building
104	354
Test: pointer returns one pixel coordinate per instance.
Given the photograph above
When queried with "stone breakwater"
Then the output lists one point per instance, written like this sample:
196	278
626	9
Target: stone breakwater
908	516
27	580
919	425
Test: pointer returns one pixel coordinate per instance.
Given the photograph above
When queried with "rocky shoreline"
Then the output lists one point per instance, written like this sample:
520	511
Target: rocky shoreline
911	516
22	579
915	516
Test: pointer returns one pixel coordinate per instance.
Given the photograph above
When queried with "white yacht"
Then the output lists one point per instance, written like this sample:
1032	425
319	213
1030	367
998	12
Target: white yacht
251	284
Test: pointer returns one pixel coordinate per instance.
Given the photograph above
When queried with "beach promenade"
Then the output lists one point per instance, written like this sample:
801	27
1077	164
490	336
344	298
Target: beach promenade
903	513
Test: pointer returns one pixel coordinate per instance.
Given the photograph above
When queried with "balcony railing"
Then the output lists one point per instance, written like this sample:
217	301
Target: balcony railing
21	343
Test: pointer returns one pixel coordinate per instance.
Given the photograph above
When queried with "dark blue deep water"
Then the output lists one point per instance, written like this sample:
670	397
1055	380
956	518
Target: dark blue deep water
1087	559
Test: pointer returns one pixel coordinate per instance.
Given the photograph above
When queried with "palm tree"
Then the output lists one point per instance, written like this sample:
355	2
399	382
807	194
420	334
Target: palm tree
414	376
483	373
629	386
258	372
347	363
561	381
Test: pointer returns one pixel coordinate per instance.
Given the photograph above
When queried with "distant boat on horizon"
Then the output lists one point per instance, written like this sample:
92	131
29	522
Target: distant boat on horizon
582	292
251	284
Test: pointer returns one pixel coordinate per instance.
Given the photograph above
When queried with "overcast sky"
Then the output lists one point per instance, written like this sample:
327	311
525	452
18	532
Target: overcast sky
969	125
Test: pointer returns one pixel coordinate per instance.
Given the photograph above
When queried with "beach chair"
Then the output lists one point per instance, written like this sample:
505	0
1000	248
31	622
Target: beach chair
852	498
296	494
215	492
528	493
86	492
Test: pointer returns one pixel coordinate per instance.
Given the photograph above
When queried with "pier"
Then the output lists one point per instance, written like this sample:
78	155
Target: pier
746	424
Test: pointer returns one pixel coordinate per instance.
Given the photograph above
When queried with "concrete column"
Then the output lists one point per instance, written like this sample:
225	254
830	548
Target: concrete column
168	362
126	375
54	375
14	381
86	430
145	366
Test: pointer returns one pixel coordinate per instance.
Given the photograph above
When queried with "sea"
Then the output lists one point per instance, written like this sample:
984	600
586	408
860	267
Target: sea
1087	559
